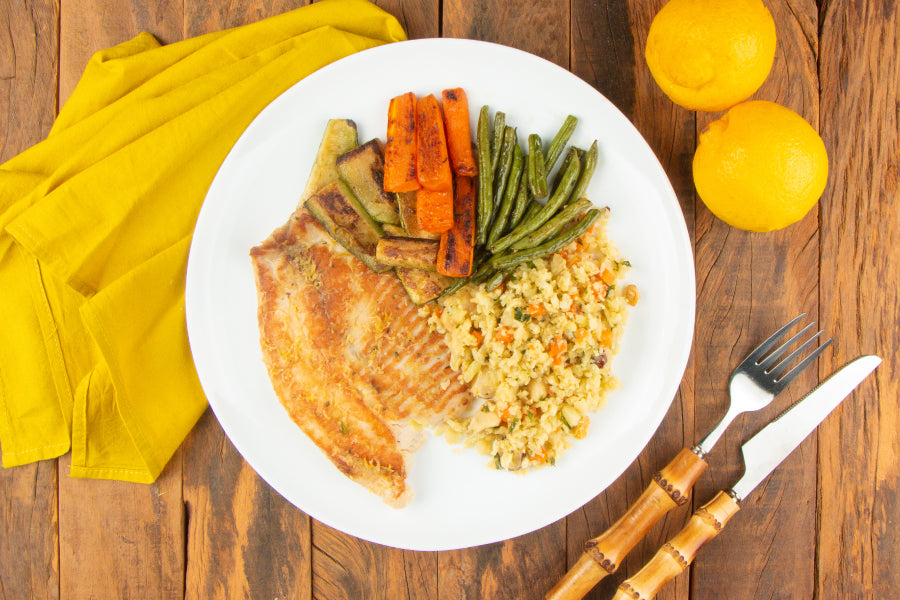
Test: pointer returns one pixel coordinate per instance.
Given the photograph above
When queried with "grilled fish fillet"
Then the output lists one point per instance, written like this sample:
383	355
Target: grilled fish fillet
349	356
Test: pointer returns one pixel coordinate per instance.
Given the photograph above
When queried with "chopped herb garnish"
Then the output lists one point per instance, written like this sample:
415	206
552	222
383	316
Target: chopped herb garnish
609	290
563	419
344	428
625	263
520	315
512	425
485	408
497	464
552	461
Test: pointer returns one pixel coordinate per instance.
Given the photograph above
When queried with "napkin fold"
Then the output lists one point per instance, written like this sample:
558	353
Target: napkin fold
95	228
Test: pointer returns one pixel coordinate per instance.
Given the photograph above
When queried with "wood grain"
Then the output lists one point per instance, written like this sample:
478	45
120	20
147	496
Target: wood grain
206	17
243	539
119	539
613	62
541	28
859	455
419	19
750	285
29	43
87	26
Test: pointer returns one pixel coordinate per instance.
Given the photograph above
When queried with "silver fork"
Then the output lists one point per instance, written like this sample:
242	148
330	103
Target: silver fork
754	384
761	376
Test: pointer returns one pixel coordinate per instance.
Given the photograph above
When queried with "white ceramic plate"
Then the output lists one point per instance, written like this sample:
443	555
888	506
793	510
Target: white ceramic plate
459	501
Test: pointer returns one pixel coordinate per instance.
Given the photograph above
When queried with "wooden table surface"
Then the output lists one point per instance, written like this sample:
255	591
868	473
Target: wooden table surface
825	525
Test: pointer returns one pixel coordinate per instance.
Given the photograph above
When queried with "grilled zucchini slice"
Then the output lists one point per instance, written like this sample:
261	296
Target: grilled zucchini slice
342	215
407	252
363	170
339	138
422	286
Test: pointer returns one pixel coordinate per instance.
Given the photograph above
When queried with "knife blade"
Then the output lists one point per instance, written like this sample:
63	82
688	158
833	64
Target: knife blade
762	455
768	448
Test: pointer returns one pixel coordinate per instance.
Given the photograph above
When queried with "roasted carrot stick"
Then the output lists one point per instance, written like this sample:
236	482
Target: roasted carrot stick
434	209
432	160
458	130
400	150
457	247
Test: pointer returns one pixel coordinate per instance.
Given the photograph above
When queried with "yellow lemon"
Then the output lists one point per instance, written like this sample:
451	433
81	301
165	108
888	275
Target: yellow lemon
760	167
711	54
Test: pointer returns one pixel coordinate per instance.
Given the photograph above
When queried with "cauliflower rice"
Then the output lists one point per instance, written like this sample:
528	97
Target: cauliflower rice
537	350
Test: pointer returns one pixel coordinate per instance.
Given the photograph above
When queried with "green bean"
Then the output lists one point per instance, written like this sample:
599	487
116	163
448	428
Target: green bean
457	284
483	273
485	177
533	207
569	212
497	140
554	244
504	165
495	280
559	197
554	151
587	171
570	156
521	205
501	219
537	175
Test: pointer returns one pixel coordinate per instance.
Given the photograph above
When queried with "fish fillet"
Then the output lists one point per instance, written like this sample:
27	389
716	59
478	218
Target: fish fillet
349	357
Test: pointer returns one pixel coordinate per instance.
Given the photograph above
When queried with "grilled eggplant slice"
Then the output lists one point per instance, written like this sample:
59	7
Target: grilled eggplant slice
339	138
342	215
363	170
411	253
406	205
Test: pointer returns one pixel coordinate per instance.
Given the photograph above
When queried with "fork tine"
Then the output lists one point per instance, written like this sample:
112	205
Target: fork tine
772	358
776	371
767	345
788	377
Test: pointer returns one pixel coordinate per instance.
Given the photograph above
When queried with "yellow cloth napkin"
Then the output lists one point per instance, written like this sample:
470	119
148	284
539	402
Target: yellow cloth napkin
96	223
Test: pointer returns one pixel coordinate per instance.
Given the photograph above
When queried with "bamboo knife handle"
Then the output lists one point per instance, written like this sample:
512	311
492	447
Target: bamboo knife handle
603	554
674	557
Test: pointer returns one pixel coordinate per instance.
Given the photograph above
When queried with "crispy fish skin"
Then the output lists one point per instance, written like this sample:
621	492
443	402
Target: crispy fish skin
349	357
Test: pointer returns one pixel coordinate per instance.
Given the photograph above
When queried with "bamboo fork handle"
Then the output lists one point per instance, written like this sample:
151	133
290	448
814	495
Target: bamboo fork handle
603	554
674	557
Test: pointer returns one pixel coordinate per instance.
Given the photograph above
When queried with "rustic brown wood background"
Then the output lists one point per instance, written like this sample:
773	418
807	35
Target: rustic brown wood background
825	525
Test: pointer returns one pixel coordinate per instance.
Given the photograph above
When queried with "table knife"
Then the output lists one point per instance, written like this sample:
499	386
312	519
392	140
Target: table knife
762	455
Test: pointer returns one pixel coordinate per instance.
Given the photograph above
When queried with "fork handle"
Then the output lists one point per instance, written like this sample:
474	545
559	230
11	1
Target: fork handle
603	554
674	557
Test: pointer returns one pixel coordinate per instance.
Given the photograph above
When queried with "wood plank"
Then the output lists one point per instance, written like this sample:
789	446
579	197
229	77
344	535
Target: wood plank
119	539
347	568
91	25
750	284
133	544
419	19
344	566
608	53
243	539
520	567
859	495
206	17
29	556
541	28
29	559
